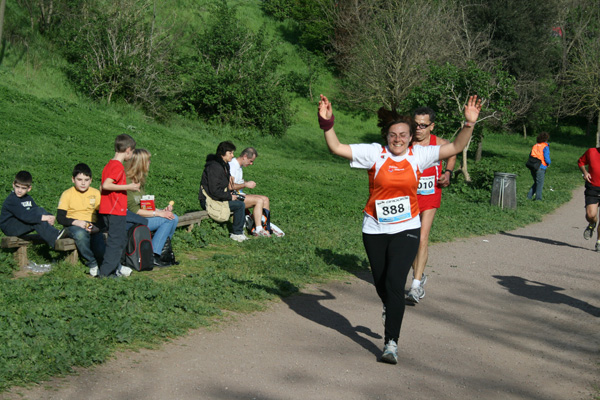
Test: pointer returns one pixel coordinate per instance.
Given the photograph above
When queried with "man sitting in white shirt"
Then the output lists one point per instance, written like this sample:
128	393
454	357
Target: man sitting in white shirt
257	202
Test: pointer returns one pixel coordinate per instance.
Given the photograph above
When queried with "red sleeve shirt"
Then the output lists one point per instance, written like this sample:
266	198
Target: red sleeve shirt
591	158
114	202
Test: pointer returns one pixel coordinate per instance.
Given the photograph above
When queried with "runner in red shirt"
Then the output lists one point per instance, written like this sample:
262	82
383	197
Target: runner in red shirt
591	175
429	194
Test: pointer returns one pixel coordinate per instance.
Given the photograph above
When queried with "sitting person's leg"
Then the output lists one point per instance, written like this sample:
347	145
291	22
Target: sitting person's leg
17	228
257	203
237	208
162	228
84	246
133	218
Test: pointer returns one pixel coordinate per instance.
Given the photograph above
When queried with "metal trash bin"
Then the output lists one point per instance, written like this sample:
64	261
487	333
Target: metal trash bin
504	190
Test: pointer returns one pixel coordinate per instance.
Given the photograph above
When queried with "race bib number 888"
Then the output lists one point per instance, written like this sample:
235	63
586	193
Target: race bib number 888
391	211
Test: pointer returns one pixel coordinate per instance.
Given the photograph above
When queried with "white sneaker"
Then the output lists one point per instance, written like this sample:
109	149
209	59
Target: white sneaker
238	238
415	294
123	271
94	271
390	353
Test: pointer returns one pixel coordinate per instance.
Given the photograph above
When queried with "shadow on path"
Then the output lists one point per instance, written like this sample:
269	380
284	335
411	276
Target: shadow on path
542	240
543	292
348	262
309	306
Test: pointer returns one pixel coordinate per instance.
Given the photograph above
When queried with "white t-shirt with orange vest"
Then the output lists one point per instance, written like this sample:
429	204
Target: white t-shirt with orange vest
393	180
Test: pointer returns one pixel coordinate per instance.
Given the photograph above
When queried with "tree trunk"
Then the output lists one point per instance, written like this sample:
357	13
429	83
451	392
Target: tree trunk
524	131
478	153
2	8
463	164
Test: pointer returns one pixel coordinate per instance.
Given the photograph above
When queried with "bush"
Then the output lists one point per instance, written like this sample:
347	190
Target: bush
116	50
312	29
233	76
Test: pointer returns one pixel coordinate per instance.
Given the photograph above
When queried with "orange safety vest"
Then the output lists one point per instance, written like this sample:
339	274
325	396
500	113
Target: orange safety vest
537	151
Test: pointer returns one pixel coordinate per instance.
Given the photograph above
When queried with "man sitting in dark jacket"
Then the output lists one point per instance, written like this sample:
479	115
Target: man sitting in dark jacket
218	185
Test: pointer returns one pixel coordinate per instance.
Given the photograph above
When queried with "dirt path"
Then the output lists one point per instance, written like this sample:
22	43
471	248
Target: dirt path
509	316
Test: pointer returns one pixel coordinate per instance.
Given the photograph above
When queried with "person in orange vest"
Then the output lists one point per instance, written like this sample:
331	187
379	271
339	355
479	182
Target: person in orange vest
541	151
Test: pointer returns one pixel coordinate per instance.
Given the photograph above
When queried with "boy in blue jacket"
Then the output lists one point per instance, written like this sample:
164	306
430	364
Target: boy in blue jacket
20	215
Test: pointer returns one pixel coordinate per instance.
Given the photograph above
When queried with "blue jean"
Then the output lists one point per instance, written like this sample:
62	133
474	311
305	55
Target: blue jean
238	209
538	184
133	218
163	228
91	246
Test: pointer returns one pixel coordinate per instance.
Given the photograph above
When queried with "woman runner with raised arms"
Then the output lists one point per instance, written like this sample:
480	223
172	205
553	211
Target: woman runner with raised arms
391	224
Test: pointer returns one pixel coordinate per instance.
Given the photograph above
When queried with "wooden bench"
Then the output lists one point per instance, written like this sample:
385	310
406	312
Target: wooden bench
68	245
192	218
23	242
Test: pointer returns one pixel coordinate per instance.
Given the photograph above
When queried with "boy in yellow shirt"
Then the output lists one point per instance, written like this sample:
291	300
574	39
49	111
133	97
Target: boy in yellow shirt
78	212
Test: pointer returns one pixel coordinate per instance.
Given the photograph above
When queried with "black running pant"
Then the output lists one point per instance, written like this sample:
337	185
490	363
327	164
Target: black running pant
391	257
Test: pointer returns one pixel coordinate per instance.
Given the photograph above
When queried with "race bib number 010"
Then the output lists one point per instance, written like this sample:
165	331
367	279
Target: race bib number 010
392	211
426	185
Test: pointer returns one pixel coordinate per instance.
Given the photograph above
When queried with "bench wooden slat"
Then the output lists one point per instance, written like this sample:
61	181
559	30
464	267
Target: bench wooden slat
21	243
192	218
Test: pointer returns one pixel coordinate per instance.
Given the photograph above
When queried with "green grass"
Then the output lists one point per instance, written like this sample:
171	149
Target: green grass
64	318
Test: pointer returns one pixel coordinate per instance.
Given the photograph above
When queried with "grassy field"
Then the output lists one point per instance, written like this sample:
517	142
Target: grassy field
64	318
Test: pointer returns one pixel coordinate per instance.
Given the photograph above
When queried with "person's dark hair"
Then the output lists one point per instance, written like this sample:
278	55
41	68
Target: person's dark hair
542	137
249	152
224	147
387	118
425	111
23	178
124	141
82	168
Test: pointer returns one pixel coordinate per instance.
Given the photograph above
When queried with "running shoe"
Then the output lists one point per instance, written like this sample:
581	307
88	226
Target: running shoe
263	233
415	294
589	231
598	247
423	280
390	353
64	233
94	271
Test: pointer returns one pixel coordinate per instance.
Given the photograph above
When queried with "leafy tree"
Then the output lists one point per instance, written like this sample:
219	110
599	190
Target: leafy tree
581	94
522	38
233	78
446	90
383	47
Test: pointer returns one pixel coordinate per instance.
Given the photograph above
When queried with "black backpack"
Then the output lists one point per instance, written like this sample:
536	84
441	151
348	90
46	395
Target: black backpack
139	254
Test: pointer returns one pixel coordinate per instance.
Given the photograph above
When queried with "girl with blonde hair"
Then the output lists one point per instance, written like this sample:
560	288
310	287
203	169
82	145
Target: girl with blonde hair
162	222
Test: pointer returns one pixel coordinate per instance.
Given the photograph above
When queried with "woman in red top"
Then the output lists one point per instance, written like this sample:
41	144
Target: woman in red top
391	224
